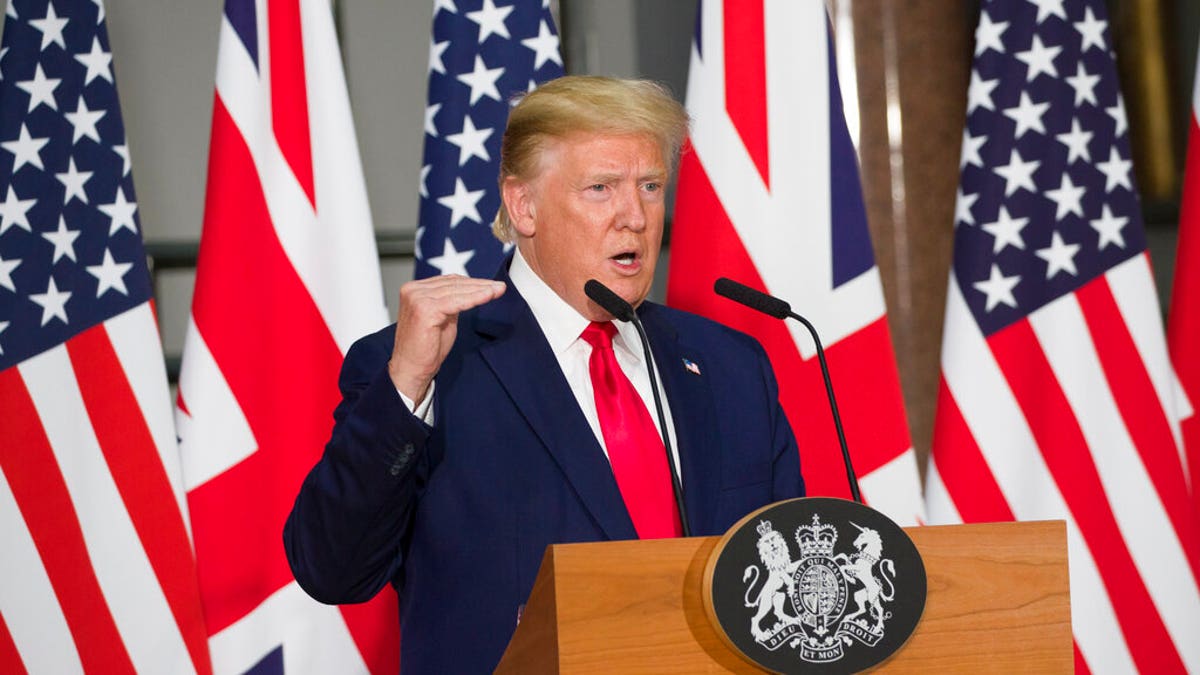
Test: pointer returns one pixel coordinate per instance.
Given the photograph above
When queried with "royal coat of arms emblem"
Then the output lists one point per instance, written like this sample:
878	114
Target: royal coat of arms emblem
818	585
828	587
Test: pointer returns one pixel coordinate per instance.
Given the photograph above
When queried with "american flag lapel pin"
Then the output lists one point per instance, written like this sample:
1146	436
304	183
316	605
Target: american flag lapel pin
691	367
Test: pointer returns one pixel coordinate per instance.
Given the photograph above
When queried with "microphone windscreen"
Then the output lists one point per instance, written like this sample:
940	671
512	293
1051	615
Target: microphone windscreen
608	300
752	298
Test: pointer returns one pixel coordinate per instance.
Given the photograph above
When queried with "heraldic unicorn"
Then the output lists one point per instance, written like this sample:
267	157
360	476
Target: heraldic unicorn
803	603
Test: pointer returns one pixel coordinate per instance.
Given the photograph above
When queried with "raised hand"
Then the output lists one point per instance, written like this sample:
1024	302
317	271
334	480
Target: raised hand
427	325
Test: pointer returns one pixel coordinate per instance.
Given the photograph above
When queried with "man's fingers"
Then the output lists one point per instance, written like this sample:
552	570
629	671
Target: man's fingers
461	299
448	295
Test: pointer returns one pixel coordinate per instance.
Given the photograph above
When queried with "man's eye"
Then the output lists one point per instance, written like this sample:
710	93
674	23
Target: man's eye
652	187
598	187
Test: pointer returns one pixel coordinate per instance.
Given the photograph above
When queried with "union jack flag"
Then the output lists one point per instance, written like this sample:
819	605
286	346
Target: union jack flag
288	277
1057	399
481	54
97	566
769	195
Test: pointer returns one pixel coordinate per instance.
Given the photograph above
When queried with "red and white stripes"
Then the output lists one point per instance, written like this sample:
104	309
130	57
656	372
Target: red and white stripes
87	424
1070	414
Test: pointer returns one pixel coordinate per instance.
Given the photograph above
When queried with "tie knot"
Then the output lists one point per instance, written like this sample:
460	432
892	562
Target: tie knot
599	335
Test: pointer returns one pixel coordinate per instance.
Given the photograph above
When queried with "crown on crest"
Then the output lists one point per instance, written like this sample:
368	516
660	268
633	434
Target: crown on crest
764	528
816	539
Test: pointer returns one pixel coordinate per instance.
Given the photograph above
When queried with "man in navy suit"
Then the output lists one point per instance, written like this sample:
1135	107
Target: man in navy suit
471	434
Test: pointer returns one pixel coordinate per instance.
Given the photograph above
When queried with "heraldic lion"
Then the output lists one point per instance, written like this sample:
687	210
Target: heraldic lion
772	549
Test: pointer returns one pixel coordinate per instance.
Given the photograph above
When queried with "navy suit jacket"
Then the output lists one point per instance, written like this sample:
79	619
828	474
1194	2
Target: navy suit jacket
457	516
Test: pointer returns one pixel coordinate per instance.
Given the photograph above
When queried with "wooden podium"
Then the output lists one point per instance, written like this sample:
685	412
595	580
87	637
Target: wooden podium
998	601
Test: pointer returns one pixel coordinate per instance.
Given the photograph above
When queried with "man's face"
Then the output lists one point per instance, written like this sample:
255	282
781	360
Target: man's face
594	211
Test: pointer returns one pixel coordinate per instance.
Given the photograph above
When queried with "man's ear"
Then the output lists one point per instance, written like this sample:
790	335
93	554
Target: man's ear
518	199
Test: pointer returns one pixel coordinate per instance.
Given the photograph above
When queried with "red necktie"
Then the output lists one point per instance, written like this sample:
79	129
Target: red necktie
635	448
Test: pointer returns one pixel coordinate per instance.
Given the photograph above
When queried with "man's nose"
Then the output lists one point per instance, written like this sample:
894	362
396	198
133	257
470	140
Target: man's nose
632	211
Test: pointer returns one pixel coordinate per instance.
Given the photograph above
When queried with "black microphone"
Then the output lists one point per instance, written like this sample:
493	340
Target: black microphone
622	311
773	306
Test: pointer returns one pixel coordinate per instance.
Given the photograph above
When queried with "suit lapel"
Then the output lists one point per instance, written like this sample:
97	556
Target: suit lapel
691	401
516	350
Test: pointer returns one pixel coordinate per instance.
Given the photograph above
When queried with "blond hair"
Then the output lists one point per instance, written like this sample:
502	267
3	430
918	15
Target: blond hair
589	104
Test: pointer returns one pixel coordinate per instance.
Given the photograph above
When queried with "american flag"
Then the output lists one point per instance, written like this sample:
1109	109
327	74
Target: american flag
482	54
1183	326
287	278
1057	399
769	195
97	565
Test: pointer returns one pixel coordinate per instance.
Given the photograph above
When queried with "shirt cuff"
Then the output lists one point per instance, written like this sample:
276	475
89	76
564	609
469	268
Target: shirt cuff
423	410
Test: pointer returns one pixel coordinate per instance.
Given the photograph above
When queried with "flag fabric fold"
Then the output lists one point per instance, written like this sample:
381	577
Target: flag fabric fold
287	278
769	195
1057	399
97	565
1183	325
482	53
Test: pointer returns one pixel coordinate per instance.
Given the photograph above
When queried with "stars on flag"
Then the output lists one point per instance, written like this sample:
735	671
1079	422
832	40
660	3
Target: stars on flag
51	27
979	93
26	149
53	302
1048	8
482	81
1059	256
6	270
970	150
491	20
1109	228
1039	59
1084	84
1091	32
63	240
482	55
470	142
962	207
998	288
451	261
1045	161
13	212
84	122
462	203
1076	141
73	181
544	46
122	151
1017	173
1006	230
1117	113
987	34
121	212
436	49
1116	171
98	63
431	112
1027	115
110	274
1067	197
65	264
40	90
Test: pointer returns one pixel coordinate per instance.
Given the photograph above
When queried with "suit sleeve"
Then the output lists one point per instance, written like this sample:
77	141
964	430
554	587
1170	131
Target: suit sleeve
345	536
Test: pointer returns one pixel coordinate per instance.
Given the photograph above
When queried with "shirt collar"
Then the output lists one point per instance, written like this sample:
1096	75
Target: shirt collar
558	320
